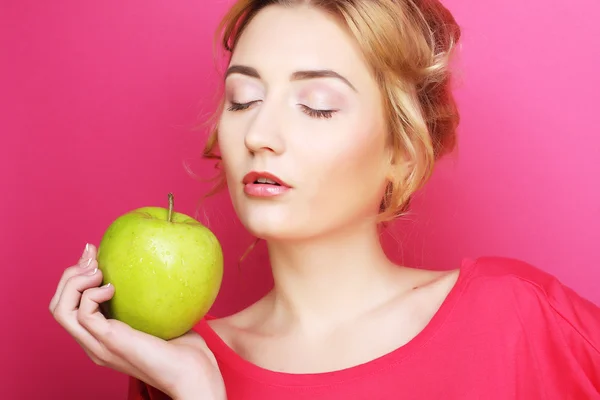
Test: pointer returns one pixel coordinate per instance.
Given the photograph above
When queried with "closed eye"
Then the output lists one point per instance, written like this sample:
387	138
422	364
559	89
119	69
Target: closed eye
240	106
311	112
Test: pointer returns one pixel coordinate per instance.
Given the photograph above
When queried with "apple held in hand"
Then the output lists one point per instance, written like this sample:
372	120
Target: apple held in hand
166	268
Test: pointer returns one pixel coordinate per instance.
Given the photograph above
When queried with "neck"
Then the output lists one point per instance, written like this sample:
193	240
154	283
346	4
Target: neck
330	279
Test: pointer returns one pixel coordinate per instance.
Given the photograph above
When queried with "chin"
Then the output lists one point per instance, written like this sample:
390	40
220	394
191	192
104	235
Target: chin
287	220
271	226
266	219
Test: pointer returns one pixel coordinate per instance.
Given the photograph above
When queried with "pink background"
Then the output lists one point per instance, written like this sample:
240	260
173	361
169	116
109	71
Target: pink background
97	108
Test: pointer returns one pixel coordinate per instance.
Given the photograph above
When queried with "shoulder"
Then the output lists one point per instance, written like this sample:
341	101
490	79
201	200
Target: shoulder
536	295
508	270
522	279
559	326
519	276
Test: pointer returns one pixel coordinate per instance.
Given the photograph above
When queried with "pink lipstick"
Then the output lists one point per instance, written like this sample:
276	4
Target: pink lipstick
264	184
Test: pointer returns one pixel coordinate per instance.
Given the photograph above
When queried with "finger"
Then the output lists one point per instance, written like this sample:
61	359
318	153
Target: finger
116	338
129	350
98	353
65	312
89	253
71	294
84	262
90	319
89	314
67	274
141	350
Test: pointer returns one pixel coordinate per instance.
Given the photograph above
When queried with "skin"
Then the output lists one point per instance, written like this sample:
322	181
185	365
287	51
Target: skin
335	289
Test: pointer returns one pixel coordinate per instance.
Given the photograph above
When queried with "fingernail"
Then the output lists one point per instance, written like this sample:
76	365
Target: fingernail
92	272
85	251
106	286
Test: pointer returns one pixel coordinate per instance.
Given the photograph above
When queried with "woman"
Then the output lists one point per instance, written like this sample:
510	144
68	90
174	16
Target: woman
333	115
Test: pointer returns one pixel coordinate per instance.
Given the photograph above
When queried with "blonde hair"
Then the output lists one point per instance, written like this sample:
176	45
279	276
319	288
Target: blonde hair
408	44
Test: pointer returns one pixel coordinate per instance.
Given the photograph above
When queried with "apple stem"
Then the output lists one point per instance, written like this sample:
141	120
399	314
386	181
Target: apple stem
170	216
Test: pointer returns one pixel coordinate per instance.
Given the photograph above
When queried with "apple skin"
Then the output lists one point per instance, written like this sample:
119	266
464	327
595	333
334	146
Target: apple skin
166	274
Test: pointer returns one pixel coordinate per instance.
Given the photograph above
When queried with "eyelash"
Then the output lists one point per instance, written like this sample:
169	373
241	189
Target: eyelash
311	112
307	110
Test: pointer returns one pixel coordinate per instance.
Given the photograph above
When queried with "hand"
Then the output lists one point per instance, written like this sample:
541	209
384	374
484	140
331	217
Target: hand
181	368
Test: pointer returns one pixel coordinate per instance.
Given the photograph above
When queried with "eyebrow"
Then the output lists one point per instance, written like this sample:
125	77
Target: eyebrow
296	76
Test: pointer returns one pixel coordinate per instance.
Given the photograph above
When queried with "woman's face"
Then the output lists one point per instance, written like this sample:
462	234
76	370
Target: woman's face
302	105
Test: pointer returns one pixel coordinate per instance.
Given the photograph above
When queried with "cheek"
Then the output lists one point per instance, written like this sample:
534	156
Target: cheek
231	147
347	166
356	153
231	162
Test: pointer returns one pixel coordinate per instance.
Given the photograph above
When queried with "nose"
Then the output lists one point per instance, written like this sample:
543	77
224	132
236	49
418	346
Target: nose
264	131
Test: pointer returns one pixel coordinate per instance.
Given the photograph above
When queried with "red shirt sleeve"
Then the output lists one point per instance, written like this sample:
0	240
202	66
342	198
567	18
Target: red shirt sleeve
579	322
563	328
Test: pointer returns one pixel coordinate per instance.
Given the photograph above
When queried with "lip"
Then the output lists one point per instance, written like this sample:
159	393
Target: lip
264	190
251	177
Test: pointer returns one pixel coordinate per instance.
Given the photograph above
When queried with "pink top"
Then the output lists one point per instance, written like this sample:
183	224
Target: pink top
507	330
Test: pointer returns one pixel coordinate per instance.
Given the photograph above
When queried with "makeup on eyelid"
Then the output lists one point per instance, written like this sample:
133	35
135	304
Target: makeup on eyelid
242	89
244	94
316	96
321	97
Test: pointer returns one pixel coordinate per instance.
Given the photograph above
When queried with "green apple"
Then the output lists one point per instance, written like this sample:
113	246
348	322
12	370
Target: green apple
166	268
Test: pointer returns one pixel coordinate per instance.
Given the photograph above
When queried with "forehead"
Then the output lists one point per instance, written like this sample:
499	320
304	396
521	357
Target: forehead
281	40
